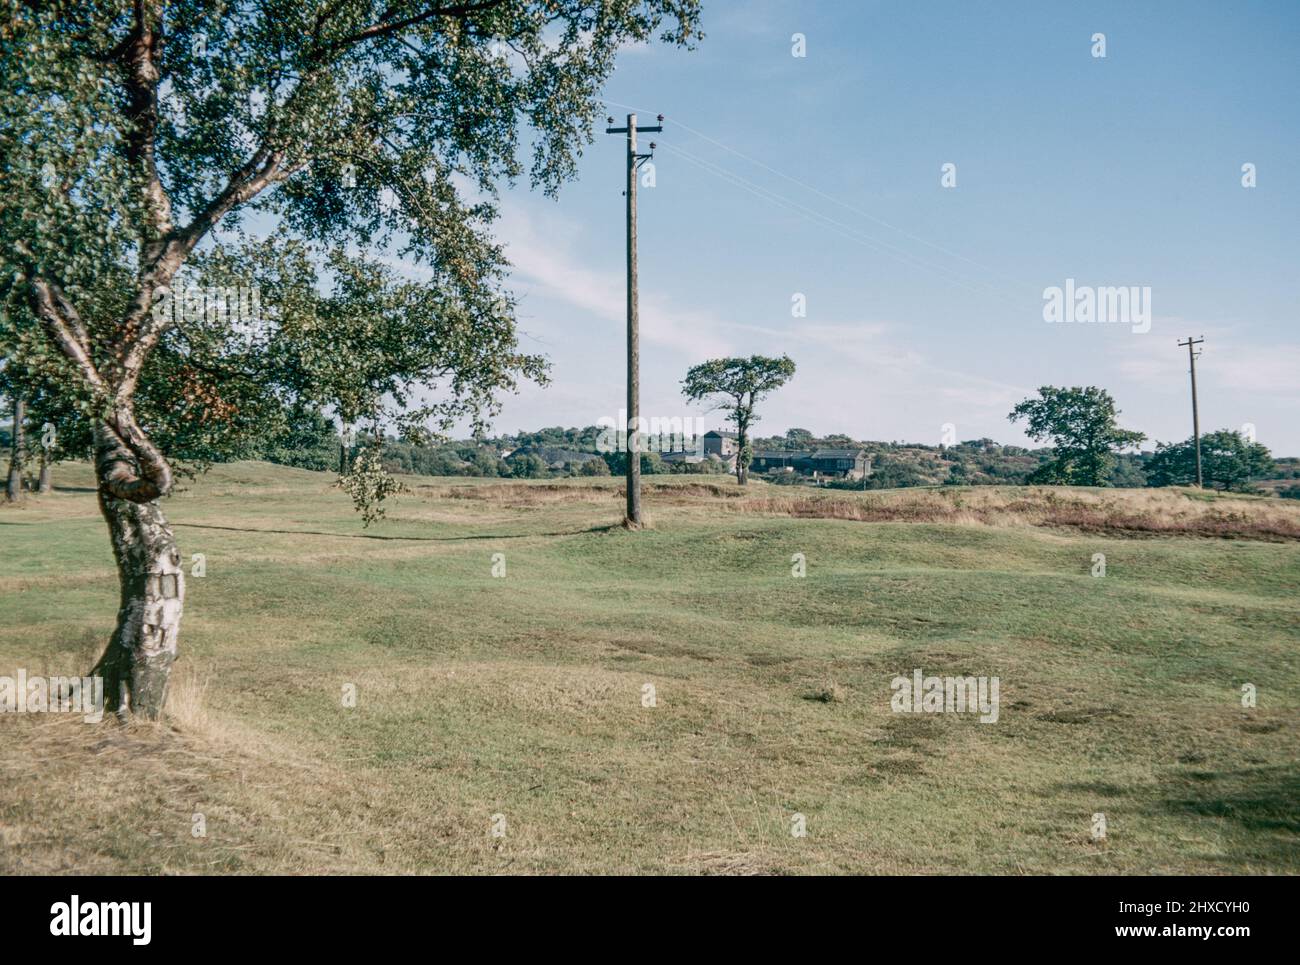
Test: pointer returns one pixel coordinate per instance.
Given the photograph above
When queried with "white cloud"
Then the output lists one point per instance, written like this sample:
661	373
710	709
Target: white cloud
545	261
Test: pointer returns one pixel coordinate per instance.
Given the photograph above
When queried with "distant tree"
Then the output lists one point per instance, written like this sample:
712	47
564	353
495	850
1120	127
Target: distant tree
735	385
594	467
528	466
701	468
307	441
487	463
1129	471
1228	461
894	472
1287	467
1081	423
799	438
652	464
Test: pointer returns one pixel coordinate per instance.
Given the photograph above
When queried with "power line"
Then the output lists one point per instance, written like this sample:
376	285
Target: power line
836	201
845	230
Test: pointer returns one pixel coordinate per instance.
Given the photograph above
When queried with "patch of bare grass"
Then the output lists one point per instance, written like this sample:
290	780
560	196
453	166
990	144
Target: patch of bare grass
1119	512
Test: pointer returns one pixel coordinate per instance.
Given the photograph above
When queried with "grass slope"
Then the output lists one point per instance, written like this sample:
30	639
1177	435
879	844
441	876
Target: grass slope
522	696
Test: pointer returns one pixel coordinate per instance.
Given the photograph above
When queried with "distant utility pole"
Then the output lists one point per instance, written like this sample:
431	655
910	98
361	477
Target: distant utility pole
1196	419
633	445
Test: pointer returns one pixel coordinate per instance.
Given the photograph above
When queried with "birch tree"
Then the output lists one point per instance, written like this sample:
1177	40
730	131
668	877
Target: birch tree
137	139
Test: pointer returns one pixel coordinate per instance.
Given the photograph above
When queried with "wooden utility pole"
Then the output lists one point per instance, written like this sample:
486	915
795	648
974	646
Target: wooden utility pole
1196	418
632	449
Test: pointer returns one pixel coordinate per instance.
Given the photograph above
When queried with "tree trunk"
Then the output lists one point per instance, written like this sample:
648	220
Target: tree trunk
345	438
742	470
44	486
138	661
14	490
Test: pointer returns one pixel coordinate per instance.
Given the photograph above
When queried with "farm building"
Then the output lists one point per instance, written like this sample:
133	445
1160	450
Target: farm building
720	443
820	464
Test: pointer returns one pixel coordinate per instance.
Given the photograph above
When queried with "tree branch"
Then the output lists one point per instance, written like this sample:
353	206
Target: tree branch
63	325
129	465
385	26
139	61
141	331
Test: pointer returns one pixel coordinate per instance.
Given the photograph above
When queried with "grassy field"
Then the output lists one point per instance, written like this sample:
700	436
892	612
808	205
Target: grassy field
521	697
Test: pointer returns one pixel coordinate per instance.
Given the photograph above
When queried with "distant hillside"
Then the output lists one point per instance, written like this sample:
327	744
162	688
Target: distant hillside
976	462
558	451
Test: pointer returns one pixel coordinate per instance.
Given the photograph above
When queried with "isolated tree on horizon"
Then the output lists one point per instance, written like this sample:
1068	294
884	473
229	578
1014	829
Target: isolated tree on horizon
734	385
1228	461
134	138
1081	424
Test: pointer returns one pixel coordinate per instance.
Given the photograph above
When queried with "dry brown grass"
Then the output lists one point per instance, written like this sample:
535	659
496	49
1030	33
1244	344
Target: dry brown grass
127	796
187	698
1131	512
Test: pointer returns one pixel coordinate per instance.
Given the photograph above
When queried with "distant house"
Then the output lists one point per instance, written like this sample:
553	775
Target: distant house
692	458
778	460
821	464
846	463
720	443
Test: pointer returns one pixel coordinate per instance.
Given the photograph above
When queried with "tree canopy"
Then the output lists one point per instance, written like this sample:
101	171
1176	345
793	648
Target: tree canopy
1081	424
1228	461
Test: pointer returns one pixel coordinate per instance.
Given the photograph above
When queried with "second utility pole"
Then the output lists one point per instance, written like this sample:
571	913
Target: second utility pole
632	449
1196	418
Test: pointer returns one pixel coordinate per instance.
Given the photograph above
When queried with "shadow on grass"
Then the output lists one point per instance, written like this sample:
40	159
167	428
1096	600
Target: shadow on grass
1260	799
419	539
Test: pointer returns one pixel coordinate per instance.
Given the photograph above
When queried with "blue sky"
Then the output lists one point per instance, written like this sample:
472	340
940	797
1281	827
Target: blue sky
821	175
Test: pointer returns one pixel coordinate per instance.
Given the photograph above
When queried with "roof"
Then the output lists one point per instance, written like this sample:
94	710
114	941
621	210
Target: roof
838	453
721	432
779	454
